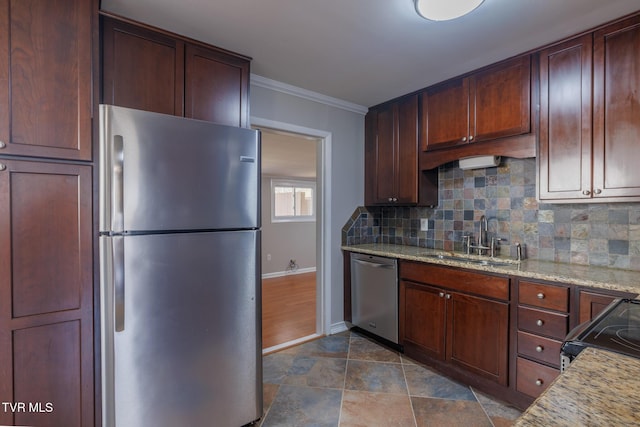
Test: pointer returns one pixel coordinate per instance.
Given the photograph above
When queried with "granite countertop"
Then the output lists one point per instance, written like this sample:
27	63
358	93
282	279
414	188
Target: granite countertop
581	275
600	388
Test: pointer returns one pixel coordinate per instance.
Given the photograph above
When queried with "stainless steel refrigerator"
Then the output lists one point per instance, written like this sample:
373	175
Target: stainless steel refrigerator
179	249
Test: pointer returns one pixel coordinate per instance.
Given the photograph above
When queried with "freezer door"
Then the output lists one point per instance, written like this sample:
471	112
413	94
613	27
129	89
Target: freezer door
181	329
167	173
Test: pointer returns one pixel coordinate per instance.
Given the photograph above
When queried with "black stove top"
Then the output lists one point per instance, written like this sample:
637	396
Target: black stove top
617	329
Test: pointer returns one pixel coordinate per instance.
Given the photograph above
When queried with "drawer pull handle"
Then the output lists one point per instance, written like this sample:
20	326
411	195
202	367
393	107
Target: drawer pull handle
539	349
539	322
538	382
540	295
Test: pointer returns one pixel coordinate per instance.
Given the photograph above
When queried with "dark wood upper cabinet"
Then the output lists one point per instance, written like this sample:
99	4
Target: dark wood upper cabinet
616	111
500	100
445	115
216	87
154	70
142	69
391	154
565	120
489	104
590	122
46	75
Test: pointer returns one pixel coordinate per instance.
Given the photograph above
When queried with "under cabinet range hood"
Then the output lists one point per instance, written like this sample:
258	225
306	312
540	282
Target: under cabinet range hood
479	162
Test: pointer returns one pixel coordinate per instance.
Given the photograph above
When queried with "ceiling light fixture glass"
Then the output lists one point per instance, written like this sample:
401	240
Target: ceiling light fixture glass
444	10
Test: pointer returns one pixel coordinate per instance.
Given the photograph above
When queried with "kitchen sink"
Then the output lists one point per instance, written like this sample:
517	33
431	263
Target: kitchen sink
469	260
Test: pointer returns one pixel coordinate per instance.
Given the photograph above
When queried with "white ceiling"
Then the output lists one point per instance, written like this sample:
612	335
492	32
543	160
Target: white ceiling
369	51
288	155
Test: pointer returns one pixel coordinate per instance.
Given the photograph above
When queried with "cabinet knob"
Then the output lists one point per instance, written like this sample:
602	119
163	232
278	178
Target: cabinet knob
539	322
448	296
2	166
540	295
391	199
464	139
2	144
471	138
441	294
539	349
538	382
586	192
395	199
597	191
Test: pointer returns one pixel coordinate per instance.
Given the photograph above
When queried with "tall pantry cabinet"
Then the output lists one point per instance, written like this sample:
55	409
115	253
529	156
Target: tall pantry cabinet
48	51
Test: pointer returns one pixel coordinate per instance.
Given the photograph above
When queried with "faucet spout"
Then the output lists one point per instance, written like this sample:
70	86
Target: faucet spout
483	227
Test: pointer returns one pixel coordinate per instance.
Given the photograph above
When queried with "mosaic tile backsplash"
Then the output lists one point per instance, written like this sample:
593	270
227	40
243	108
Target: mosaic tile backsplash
591	234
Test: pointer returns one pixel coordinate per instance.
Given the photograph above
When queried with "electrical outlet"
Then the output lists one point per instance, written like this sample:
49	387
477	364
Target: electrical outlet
424	224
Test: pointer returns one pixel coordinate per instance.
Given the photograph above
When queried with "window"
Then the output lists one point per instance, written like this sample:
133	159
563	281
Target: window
292	201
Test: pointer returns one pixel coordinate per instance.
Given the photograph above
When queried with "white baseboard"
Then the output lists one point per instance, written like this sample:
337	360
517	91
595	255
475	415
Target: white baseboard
336	328
289	344
288	272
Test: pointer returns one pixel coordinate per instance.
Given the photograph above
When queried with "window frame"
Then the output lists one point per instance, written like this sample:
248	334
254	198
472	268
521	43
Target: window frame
293	183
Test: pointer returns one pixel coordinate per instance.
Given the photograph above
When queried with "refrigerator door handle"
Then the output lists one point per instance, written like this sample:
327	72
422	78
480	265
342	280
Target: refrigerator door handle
117	180
118	281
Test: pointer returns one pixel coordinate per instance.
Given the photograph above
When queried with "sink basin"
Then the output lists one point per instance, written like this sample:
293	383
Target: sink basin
469	260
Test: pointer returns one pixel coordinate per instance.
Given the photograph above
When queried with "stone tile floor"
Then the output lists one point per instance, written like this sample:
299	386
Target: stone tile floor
348	380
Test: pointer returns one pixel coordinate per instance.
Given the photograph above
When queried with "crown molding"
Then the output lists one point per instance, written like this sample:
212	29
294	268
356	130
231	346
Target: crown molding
307	94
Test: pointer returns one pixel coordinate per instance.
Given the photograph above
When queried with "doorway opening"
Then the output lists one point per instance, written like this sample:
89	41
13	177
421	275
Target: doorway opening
292	229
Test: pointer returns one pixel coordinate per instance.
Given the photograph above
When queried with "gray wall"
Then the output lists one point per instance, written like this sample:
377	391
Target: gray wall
346	190
285	240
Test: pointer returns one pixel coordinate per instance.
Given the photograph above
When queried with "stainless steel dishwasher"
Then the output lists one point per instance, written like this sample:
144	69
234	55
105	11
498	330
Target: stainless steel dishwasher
374	295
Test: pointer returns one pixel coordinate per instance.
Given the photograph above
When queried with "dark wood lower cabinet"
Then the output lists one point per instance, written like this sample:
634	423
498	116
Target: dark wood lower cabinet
46	294
533	378
460	329
478	335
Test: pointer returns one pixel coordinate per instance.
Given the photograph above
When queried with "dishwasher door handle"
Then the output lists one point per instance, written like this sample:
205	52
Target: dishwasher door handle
374	264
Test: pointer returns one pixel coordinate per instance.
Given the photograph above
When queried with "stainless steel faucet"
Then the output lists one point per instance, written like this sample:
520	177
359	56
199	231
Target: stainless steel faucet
482	231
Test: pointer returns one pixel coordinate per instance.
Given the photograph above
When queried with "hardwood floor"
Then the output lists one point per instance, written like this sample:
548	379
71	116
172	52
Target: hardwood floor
288	308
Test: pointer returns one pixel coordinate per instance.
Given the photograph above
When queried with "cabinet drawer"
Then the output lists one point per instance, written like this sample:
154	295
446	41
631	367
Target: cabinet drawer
456	279
544	296
539	348
542	322
533	378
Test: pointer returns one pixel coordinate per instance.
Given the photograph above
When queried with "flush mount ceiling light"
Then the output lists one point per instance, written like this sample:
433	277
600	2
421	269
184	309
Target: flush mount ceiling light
444	10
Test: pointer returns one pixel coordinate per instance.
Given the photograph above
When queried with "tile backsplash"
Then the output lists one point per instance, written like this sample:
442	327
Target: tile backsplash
588	233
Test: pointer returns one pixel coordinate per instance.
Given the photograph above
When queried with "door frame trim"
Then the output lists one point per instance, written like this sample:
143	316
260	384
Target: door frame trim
323	221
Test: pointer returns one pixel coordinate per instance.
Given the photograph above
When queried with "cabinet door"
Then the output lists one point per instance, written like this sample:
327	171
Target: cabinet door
477	335
142	69
385	155
500	100
616	117
46	292
46	90
565	120
407	151
216	87
422	318
592	303
445	115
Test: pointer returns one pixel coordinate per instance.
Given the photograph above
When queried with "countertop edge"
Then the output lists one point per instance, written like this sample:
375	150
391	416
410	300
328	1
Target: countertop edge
579	275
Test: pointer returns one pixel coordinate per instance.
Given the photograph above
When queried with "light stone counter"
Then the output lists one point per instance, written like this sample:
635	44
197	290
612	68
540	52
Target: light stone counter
600	388
582	275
